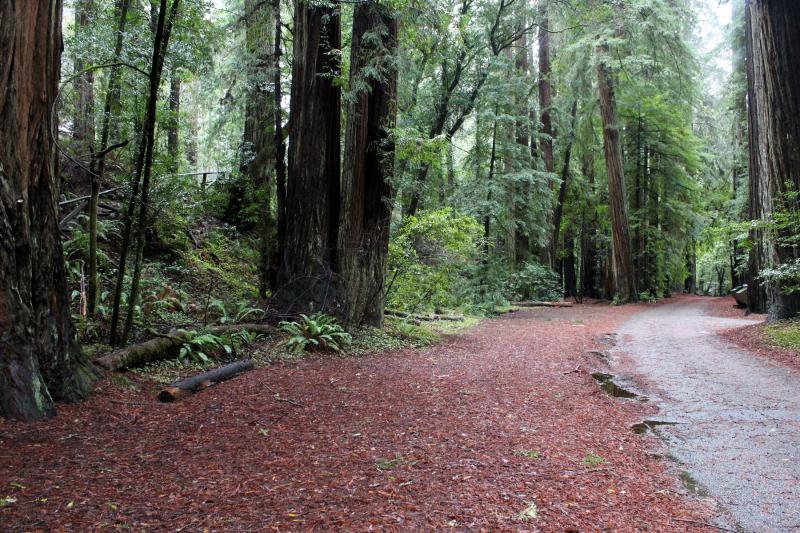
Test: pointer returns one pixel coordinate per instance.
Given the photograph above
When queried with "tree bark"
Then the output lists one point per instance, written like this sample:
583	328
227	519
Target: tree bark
83	123
258	165
546	255
307	273
40	359
367	191
623	272
190	385
775	123
280	150
165	346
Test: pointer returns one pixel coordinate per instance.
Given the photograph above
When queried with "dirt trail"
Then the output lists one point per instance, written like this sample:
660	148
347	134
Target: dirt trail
498	429
738	431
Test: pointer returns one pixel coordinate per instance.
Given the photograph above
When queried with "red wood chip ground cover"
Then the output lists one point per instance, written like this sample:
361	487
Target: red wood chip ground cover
462	436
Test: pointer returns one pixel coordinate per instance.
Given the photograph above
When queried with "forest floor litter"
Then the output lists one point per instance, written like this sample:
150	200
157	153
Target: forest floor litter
500	428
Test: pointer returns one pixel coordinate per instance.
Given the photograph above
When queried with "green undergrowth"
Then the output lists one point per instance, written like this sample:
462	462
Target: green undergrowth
785	334
272	349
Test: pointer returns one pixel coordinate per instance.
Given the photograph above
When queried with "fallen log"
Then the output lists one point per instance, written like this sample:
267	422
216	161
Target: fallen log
188	386
542	304
428	318
165	346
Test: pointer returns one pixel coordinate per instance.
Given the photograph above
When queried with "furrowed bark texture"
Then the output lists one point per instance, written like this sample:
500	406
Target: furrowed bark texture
774	117
367	192
306	276
259	129
623	272
40	360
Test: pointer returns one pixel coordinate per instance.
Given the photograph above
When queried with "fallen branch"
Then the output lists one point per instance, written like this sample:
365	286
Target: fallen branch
165	346
428	318
535	303
188	386
88	197
276	395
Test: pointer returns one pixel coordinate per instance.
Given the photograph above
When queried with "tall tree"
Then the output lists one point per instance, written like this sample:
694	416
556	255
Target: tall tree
259	127
623	272
774	121
40	360
547	255
83	130
367	192
306	274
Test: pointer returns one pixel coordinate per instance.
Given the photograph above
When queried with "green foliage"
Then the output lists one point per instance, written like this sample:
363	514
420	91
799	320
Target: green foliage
534	282
199	344
315	332
428	258
592	460
785	334
417	335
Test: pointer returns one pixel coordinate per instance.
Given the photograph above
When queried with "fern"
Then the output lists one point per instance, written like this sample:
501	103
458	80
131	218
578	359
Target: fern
315	332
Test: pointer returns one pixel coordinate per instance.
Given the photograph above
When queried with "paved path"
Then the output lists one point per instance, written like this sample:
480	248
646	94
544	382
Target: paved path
739	415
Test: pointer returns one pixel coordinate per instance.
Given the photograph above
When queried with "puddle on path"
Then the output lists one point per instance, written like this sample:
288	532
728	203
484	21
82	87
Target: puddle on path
611	388
649	425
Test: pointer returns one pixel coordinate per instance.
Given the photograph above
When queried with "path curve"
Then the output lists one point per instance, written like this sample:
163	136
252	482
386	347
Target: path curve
738	431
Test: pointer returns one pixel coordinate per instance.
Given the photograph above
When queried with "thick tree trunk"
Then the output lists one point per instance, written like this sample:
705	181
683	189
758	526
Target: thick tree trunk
367	192
757	200
307	276
40	360
623	272
774	119
259	155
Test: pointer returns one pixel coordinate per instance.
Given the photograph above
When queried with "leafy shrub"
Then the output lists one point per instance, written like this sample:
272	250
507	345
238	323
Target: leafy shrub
428	258
315	332
534	282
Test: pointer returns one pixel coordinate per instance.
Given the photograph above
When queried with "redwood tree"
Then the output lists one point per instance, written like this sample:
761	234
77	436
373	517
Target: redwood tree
774	122
369	161
40	360
306	274
623	272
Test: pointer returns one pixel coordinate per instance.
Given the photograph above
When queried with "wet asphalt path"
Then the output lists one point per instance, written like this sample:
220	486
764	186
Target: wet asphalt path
738	431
